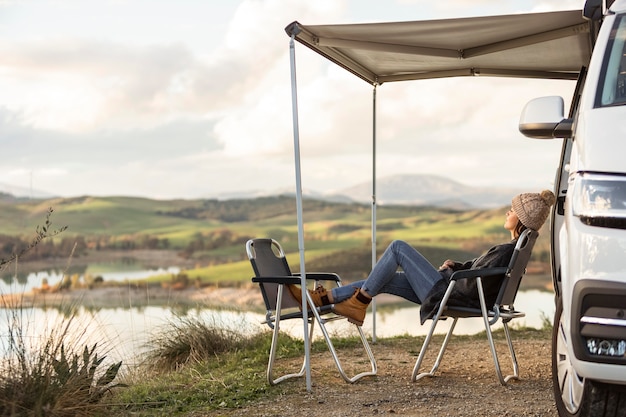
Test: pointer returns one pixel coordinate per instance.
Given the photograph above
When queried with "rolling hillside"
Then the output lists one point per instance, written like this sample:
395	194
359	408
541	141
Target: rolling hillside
212	232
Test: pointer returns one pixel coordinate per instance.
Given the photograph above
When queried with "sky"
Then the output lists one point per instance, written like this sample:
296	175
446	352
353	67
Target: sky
192	99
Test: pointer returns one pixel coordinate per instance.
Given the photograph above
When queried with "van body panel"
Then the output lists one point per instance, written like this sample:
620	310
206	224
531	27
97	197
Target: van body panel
607	151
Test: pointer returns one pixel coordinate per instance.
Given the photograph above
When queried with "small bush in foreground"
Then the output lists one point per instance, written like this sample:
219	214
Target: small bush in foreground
48	380
191	339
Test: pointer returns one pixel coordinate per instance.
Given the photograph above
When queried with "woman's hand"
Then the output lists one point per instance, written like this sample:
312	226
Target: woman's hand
448	263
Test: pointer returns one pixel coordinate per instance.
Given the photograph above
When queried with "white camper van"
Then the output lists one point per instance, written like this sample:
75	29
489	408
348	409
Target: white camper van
589	225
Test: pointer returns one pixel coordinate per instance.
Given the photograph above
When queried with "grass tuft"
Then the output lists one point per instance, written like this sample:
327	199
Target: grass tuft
41	376
190	340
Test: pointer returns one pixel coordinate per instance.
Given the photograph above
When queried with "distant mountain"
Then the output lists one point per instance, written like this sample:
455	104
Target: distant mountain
432	190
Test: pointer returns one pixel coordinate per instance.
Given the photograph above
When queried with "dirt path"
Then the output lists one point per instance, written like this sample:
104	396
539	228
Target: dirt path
465	385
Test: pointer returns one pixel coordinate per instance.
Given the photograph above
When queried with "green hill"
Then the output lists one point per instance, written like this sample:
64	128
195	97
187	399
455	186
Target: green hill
337	235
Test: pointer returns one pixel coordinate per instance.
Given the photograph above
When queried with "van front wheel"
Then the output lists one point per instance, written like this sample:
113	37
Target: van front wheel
569	388
576	396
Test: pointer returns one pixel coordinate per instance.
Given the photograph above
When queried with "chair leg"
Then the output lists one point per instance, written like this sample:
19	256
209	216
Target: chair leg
416	375
275	334
494	354
274	381
373	368
503	380
492	345
509	342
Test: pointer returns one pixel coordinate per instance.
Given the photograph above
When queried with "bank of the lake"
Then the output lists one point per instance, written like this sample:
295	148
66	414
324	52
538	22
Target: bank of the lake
137	294
129	295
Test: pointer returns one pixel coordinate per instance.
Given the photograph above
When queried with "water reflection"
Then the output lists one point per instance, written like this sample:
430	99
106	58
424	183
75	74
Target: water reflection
16	282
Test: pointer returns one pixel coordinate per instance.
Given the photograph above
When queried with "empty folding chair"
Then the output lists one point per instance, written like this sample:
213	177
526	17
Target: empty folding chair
272	273
501	311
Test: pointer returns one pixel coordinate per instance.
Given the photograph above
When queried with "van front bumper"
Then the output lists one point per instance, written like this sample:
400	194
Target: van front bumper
598	326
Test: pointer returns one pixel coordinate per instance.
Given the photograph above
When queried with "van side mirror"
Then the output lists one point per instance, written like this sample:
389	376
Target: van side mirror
542	118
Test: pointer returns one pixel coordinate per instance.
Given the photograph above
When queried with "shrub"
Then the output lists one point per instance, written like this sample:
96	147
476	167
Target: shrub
191	339
41	233
47	378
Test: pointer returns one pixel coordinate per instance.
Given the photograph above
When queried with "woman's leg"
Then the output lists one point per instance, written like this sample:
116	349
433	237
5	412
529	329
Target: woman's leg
413	283
339	294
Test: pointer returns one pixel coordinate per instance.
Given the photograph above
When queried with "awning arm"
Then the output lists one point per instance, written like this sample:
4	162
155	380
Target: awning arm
526	40
308	39
472	72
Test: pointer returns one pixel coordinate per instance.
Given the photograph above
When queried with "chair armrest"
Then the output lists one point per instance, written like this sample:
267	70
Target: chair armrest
277	280
475	273
321	276
295	278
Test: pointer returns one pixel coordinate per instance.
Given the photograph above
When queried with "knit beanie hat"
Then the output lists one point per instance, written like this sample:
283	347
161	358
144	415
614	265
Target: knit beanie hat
533	209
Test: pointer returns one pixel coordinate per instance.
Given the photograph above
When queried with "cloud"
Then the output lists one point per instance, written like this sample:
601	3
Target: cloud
79	85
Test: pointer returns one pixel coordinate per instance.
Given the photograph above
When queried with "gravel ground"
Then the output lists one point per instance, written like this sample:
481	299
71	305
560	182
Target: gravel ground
465	385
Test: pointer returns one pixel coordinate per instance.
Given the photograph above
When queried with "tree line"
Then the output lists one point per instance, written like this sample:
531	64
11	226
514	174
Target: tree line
79	245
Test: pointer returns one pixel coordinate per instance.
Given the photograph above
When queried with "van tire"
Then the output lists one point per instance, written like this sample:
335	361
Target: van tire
607	400
588	398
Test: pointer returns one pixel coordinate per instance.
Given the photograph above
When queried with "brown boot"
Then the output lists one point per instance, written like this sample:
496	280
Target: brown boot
319	295
353	308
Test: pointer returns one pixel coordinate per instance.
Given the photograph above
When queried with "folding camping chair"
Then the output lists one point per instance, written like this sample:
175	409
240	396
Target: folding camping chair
502	310
272	273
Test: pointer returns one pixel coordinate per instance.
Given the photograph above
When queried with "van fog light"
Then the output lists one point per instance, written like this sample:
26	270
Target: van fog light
606	347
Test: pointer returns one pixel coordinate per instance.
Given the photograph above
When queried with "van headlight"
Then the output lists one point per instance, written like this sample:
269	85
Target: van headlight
599	200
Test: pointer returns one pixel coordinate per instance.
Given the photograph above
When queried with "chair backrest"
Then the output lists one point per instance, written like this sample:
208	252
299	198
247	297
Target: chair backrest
517	267
268	260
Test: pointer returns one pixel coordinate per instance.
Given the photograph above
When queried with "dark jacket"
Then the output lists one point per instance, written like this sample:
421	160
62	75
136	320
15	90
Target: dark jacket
465	292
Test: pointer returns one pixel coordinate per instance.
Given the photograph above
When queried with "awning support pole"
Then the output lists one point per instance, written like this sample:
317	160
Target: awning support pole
296	148
374	204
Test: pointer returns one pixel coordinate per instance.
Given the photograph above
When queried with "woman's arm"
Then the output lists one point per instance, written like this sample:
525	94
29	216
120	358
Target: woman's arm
499	255
456	266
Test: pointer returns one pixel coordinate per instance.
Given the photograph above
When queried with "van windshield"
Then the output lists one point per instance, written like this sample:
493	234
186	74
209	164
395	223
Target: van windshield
612	88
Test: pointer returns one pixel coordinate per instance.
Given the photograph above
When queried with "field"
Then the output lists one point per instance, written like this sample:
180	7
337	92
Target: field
209	235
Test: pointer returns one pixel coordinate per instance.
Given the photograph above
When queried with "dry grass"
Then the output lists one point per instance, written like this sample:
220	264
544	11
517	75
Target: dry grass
50	374
191	339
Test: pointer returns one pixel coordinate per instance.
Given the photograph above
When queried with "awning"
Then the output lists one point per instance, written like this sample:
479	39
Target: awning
552	45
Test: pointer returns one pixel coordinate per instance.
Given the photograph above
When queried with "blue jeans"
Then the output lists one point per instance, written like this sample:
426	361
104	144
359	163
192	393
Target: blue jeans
413	282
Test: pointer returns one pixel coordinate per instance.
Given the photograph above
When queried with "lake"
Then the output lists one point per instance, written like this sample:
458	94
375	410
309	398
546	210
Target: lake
112	271
124	332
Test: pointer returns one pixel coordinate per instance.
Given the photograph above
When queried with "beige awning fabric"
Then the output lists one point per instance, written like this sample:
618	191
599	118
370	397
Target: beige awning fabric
553	45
